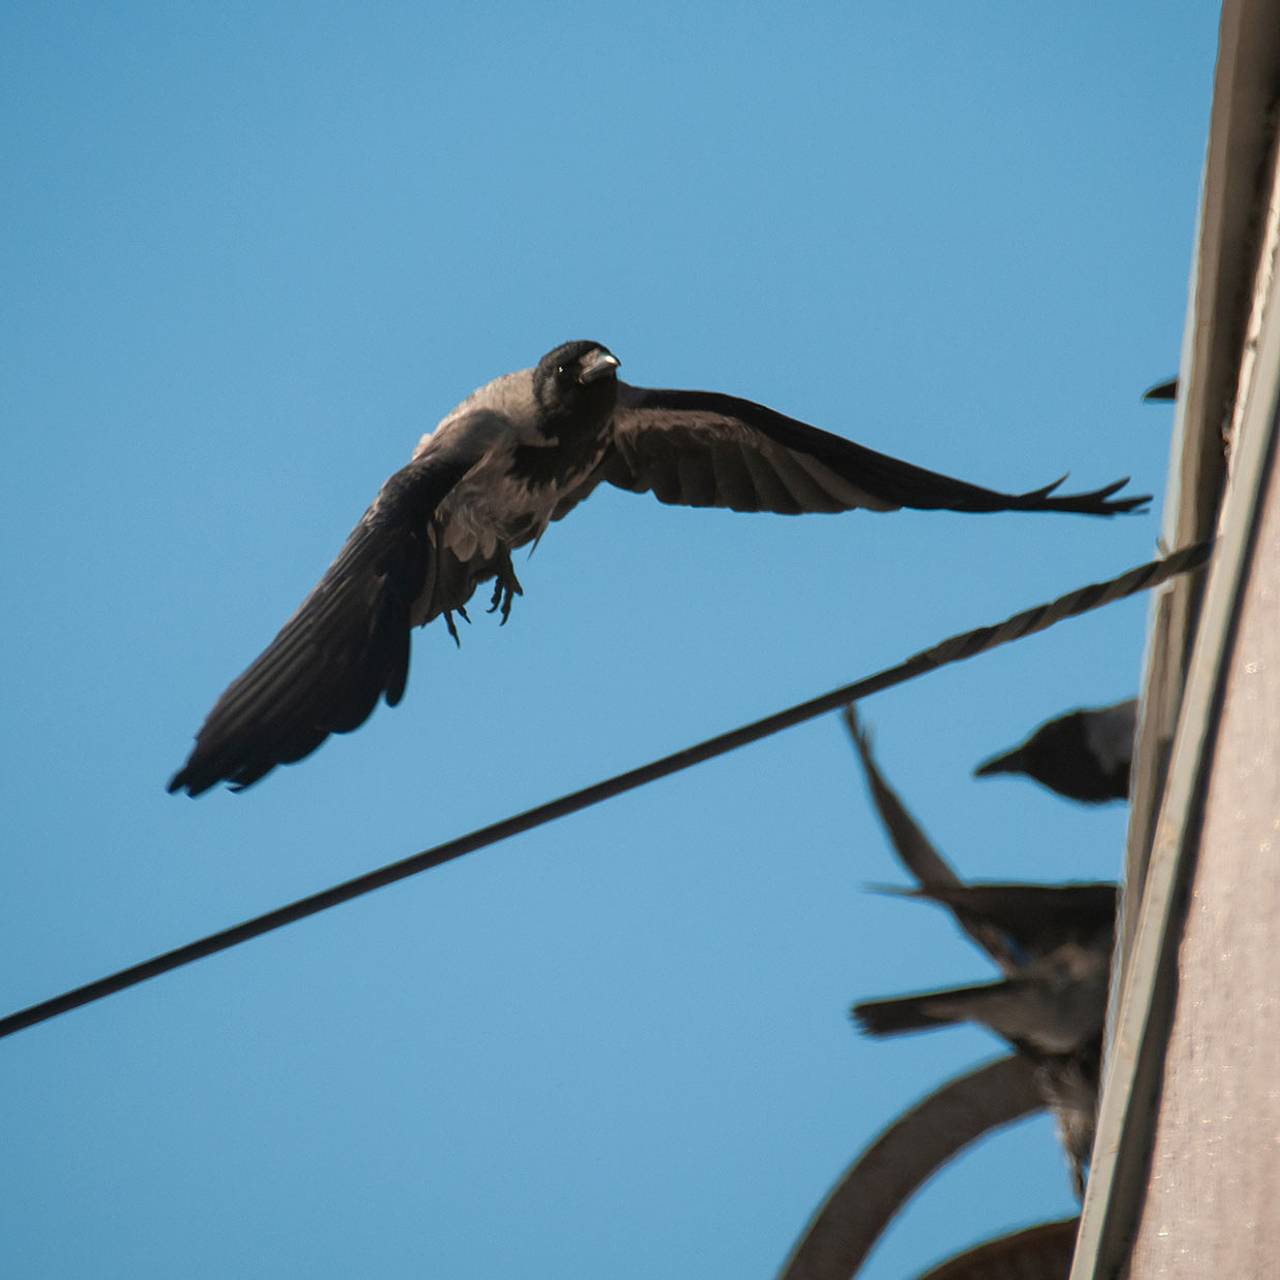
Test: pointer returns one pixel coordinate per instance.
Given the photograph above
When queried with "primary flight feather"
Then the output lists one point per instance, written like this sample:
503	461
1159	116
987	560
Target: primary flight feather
518	453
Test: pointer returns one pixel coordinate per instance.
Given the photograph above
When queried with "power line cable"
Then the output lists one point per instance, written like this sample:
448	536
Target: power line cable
954	649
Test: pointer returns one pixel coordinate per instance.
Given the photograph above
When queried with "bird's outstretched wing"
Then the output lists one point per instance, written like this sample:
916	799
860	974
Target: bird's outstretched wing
347	644
1038	918
1042	1252
902	1159
917	853
915	850
704	449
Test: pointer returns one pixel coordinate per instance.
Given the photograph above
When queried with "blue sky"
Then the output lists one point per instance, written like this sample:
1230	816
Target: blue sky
252	253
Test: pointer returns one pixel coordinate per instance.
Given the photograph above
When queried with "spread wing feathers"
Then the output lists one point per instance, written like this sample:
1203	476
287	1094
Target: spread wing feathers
347	644
917	853
704	449
915	850
1042	1252
1038	918
902	1159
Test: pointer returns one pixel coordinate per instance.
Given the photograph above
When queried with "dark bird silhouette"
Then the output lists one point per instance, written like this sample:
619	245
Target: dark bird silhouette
1053	943
518	453
1054	996
845	1228
1162	391
1084	755
1043	1252
1021	924
1051	1008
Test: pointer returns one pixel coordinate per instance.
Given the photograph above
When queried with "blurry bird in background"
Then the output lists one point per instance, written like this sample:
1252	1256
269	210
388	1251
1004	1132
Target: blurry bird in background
1042	1252
1084	755
518	453
1161	392
844	1229
1052	942
1051	1008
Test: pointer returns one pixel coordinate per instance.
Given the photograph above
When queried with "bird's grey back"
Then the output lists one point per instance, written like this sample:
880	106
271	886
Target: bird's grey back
1108	733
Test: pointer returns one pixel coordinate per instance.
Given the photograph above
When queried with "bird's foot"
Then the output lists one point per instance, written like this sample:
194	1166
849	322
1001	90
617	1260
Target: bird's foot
453	626
506	586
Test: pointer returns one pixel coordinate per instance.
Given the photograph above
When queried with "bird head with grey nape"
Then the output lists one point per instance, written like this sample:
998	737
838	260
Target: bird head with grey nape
576	387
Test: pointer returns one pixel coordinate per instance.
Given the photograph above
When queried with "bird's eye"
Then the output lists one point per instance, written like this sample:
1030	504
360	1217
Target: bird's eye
560	370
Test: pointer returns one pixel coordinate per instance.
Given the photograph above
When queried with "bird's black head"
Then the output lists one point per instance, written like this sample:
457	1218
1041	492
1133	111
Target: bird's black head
577	380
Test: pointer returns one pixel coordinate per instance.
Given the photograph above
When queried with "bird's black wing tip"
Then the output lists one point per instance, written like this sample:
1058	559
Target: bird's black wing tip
1096	502
196	777
1046	491
858	1017
859	729
1120	506
185	781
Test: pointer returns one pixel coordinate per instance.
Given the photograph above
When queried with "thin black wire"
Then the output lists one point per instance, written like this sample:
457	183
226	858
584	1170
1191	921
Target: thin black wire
955	649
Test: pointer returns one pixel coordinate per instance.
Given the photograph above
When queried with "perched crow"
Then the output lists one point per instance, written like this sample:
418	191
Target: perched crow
1052	1003
1084	755
1051	1008
515	455
1052	942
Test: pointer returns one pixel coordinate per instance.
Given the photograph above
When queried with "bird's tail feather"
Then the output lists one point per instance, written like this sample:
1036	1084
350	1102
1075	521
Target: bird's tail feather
929	1009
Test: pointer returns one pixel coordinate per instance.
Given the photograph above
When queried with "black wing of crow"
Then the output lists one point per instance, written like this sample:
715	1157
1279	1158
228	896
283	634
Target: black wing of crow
847	1225
705	449
347	644
1042	1252
1038	917
917	852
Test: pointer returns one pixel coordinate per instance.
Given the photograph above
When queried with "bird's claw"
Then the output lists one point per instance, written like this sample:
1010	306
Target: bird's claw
460	610
506	586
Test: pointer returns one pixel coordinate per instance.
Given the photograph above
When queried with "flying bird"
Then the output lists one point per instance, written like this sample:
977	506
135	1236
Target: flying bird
1053	944
1052	1003
518	453
1051	1007
1084	755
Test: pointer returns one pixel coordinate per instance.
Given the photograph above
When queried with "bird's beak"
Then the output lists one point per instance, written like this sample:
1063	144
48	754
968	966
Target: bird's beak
1010	762
599	364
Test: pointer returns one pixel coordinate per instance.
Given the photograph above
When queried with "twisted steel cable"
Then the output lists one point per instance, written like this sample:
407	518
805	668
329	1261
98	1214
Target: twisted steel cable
955	649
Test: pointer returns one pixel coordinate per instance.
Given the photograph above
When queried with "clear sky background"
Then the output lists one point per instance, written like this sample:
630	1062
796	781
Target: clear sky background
252	252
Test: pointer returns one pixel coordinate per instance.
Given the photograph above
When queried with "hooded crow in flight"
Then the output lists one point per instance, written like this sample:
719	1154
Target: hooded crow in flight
518	453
